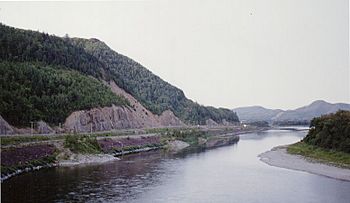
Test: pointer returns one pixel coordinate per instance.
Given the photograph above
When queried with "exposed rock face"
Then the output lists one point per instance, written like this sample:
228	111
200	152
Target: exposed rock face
211	122
44	128
224	122
167	118
101	119
5	128
115	117
139	111
118	117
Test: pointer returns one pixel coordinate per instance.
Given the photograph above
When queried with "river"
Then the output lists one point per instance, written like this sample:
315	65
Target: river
227	174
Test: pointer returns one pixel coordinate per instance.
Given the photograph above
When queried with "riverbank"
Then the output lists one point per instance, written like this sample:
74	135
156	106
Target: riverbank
279	157
17	160
71	150
79	159
328	156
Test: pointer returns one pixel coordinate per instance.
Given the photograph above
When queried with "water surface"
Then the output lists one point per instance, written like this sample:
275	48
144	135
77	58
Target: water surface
227	174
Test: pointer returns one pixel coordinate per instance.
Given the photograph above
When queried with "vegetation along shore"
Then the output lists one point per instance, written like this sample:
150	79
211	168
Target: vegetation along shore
25	153
324	150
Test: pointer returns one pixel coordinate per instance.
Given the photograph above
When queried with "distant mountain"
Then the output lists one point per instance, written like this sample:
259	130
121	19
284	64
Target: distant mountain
305	113
256	113
315	109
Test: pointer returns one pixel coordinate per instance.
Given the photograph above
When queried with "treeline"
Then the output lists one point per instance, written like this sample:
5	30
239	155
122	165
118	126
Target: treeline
32	92
291	122
330	131
93	57
259	123
24	45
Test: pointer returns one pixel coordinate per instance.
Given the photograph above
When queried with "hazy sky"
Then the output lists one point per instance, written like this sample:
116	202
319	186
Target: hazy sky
275	53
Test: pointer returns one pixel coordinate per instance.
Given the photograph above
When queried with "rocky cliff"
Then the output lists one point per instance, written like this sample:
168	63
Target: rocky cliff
103	118
119	117
5	128
39	127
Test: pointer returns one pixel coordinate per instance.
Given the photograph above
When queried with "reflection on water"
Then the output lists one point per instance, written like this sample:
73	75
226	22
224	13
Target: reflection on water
227	174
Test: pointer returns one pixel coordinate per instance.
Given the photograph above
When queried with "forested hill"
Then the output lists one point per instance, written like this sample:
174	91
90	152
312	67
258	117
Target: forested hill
94	58
153	92
33	92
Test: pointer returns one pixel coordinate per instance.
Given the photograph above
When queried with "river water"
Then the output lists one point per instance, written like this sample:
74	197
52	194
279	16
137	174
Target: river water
227	174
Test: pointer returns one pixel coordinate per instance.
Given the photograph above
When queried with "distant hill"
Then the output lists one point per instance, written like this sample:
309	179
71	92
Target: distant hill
315	109
256	113
305	113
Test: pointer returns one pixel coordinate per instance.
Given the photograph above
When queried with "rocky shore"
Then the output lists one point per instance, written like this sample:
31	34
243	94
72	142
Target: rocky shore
279	157
16	160
79	159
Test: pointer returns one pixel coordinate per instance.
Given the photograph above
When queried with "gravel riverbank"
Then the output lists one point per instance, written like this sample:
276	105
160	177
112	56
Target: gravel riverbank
279	157
79	159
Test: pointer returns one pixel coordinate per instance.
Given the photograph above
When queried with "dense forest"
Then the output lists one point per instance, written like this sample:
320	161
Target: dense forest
32	92
94	58
330	131
24	45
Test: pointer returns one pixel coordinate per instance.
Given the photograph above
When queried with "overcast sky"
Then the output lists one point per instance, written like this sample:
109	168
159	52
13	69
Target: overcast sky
275	53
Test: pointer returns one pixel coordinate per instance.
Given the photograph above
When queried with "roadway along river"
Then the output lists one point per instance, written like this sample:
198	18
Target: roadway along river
227	174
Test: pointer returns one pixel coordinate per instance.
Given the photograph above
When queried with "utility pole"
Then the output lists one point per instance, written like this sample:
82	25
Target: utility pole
92	120
59	128
31	127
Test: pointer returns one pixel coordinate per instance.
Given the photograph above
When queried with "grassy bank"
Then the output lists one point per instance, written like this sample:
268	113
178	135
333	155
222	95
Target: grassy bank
83	144
189	136
332	157
14	139
20	139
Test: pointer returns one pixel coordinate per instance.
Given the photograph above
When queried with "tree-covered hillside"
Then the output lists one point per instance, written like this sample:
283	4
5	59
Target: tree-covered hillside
92	57
32	92
24	45
330	131
153	92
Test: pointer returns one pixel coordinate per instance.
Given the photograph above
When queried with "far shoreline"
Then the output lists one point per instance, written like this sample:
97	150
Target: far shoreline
279	157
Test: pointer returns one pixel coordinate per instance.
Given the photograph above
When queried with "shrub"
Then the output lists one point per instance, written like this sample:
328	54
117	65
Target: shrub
330	131
85	144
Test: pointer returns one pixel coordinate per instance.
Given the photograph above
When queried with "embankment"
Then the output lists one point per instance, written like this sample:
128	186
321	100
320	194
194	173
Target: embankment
16	160
21	155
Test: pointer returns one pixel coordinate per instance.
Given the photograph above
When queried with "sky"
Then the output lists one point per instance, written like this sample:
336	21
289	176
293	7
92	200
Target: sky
224	53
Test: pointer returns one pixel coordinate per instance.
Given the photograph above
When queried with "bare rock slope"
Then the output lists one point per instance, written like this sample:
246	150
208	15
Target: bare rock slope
119	117
5	128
